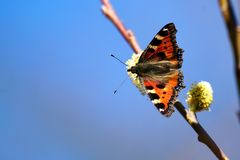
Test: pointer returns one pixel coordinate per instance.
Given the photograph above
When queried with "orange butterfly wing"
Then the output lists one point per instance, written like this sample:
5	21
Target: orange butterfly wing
163	47
163	94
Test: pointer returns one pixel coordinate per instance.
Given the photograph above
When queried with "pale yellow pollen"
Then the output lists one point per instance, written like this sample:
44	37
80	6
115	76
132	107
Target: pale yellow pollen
200	96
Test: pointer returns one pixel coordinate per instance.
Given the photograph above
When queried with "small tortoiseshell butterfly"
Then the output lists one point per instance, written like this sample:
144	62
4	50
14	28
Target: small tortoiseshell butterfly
158	69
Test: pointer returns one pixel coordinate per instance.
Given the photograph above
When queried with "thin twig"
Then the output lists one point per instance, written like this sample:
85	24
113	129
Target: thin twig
190	117
234	35
203	136
128	35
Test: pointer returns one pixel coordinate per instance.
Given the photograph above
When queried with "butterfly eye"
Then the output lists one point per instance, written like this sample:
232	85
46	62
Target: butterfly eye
133	70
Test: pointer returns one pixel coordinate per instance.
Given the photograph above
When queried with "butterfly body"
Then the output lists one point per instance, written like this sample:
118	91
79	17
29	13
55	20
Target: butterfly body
151	69
158	69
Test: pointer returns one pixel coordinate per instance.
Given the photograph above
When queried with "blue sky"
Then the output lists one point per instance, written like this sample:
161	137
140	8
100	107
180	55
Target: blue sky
57	81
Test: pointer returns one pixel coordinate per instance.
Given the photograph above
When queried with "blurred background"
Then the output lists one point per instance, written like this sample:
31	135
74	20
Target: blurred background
57	81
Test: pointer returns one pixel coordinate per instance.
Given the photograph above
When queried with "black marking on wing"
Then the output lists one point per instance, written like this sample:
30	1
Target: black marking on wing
155	42
149	87
160	105
161	85
153	96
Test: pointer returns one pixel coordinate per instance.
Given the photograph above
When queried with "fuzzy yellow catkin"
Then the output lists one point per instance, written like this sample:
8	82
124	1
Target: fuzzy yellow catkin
200	96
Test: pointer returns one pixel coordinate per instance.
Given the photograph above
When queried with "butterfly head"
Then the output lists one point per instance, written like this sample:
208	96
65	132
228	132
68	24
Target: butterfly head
134	69
141	69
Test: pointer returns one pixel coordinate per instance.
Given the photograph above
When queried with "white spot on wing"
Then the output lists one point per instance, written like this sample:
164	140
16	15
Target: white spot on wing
161	110
153	47
155	101
151	91
158	37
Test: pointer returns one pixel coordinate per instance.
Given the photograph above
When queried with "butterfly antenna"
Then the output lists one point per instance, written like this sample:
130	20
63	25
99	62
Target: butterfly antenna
115	91
118	59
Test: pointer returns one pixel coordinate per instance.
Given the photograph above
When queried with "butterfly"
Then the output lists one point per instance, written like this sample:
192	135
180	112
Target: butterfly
158	70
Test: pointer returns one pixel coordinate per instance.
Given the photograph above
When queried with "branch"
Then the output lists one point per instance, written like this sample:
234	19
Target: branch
203	136
190	117
128	35
234	35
